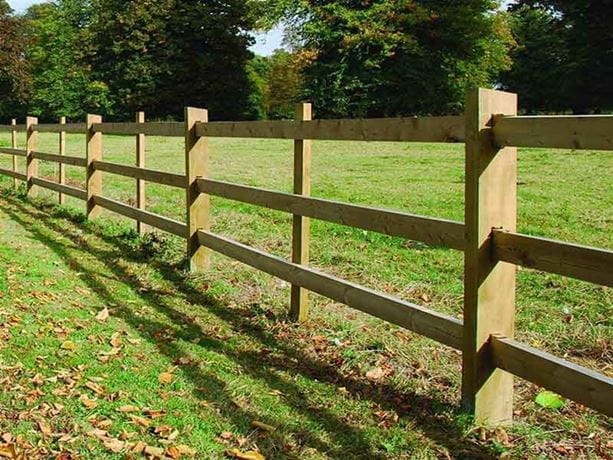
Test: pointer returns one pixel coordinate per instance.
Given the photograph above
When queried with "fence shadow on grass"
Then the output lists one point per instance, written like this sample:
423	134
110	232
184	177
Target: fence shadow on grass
350	441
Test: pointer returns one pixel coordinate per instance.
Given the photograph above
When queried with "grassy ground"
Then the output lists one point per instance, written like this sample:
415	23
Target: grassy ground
342	385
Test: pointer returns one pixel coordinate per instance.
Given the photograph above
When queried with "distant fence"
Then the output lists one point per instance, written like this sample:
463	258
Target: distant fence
492	248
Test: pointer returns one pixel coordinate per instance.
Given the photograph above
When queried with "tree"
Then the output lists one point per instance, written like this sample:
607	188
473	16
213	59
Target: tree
539	60
62	80
163	55
14	73
397	57
581	39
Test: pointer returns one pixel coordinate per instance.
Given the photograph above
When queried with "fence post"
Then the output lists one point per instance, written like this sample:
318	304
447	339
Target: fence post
14	146
141	228
299	303
489	287
93	177
198	204
31	162
62	166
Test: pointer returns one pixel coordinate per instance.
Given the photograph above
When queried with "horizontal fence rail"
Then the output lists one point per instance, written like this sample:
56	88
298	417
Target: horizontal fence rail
569	380
150	175
169	129
155	220
442	328
572	260
73	128
490	129
427	230
64	159
594	132
10	128
14	152
418	129
60	188
13	174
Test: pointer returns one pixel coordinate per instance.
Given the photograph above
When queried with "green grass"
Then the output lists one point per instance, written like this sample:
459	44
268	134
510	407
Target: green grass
237	358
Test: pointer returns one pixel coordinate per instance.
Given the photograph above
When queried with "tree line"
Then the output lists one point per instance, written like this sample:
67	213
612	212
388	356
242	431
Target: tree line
351	58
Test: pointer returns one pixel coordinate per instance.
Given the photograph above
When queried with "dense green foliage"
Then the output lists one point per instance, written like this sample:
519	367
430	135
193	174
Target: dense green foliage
14	75
351	58
564	58
396	57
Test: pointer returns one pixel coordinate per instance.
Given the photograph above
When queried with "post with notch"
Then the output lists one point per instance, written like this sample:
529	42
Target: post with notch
31	162
299	302
198	204
489	286
93	176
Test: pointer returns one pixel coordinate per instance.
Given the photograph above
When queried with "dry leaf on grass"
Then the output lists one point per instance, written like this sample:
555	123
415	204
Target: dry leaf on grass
248	455
165	378
68	345
103	315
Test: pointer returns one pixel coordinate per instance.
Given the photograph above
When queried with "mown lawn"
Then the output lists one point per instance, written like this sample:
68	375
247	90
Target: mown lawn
342	385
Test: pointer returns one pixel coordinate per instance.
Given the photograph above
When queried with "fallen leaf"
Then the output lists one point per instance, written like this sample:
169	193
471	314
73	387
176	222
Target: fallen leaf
154	451
165	378
44	428
127	408
114	445
262	426
140	421
248	455
89	403
103	315
68	345
375	374
173	452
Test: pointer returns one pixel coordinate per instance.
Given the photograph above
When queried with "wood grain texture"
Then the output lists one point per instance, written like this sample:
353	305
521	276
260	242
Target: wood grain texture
141	196
62	152
62	159
578	383
93	176
31	162
489	287
566	259
61	188
301	225
155	220
167	129
149	175
437	326
72	128
198	204
14	174
422	129
429	230
591	132
14	151
14	147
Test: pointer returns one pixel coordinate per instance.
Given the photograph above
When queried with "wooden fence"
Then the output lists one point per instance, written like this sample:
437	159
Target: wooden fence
492	248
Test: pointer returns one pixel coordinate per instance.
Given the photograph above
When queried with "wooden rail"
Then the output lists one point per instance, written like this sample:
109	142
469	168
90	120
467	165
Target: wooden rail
14	152
73	128
155	220
169	129
442	328
64	159
422	129
425	229
569	380
593	132
150	175
10	128
572	260
13	174
488	238
60	188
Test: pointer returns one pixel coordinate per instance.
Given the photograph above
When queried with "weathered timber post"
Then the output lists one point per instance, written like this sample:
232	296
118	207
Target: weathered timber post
14	146
299	302
141	228
93	177
62	166
489	287
31	162
198	204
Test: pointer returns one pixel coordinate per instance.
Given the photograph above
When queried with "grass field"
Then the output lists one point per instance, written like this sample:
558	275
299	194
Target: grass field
344	384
